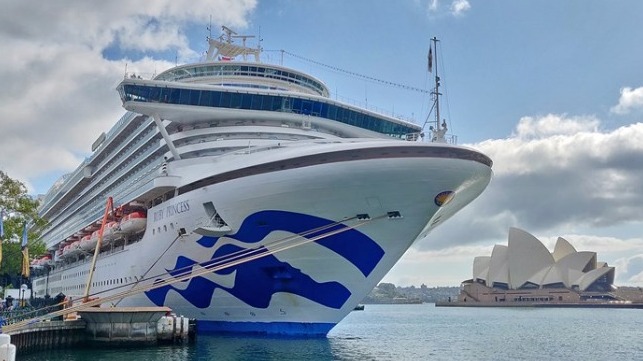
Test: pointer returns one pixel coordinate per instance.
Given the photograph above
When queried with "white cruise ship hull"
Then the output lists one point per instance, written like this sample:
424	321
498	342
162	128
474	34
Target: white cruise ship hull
268	206
374	198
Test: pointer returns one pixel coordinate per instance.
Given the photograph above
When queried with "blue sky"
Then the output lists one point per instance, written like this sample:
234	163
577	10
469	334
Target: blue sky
551	90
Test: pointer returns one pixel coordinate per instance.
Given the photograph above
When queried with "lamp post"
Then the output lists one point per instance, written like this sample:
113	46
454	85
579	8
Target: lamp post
23	288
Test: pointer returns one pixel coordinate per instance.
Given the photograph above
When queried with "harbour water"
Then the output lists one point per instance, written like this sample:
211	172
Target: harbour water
418	332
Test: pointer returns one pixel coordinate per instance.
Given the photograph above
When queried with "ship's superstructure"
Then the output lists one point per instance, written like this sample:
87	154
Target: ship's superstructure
219	159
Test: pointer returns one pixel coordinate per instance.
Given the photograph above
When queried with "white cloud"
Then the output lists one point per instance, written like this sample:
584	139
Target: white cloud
566	178
553	124
60	88
459	7
433	5
456	8
630	100
556	175
629	270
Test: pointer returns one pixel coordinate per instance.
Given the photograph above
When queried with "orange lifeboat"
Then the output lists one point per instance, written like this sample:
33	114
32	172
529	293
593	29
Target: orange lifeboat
65	251
88	242
134	222
110	232
74	248
47	260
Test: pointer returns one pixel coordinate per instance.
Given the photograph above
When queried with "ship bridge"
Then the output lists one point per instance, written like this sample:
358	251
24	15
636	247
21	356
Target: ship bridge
191	103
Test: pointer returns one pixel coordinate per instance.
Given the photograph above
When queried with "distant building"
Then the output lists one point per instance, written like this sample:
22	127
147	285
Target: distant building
525	271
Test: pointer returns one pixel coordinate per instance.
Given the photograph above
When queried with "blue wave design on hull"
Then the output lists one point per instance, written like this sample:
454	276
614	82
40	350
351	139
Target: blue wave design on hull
257	280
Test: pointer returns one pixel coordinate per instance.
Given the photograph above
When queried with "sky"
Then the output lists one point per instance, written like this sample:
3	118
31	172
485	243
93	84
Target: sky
551	90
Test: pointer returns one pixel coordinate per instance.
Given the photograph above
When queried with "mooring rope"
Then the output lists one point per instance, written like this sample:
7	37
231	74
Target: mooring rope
220	259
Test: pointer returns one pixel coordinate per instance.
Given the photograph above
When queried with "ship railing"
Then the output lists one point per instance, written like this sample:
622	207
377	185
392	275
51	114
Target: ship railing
448	139
241	70
77	175
137	75
124	119
375	109
142	153
97	177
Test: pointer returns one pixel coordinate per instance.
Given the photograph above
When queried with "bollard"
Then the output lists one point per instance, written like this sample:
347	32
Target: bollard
7	350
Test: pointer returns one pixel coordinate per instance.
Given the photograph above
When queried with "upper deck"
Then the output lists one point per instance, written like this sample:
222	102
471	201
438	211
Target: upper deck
246	75
220	68
223	86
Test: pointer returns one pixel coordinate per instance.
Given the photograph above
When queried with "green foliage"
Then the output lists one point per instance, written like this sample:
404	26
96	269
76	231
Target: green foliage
387	289
18	208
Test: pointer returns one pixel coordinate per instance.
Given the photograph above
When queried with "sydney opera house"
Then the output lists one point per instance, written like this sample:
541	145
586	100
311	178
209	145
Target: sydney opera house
526	271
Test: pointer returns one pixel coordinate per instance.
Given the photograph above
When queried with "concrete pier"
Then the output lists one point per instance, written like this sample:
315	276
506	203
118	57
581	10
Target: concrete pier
118	326
49	335
122	324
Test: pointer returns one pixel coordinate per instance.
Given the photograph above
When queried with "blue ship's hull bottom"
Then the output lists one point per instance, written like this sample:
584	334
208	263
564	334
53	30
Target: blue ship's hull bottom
273	328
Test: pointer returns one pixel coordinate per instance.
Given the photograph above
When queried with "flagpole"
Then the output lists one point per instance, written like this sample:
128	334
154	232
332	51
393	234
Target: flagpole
437	85
1	234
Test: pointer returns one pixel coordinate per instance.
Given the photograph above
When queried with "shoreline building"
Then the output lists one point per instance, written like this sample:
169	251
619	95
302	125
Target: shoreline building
525	271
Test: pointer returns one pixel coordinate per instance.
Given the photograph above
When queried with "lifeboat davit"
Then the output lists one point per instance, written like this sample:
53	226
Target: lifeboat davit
134	222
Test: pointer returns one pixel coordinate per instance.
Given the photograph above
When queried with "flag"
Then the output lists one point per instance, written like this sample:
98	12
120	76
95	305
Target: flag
430	60
1	233
1	225
25	253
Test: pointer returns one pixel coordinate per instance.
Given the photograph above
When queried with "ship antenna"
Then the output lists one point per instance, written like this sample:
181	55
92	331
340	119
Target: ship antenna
209	28
438	131
259	47
436	93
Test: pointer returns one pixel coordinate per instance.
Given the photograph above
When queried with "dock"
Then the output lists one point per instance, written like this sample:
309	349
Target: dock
114	326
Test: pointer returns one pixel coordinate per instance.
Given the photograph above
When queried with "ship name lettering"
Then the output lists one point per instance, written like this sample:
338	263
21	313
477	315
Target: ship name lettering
177	208
158	215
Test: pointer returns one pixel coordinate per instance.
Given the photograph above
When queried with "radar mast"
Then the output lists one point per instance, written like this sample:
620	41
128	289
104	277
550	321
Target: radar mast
438	129
224	49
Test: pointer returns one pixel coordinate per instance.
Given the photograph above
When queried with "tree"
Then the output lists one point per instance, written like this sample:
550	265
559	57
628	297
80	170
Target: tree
17	208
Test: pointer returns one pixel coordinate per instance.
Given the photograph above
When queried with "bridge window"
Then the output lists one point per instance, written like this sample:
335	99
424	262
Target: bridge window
267	103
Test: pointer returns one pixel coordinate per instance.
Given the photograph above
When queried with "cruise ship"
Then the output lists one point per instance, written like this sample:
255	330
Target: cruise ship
239	193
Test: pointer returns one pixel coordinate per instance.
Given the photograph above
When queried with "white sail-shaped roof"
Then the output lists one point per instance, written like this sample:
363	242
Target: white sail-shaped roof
540	277
526	263
526	256
553	277
573	265
481	268
562	249
498	267
585	281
